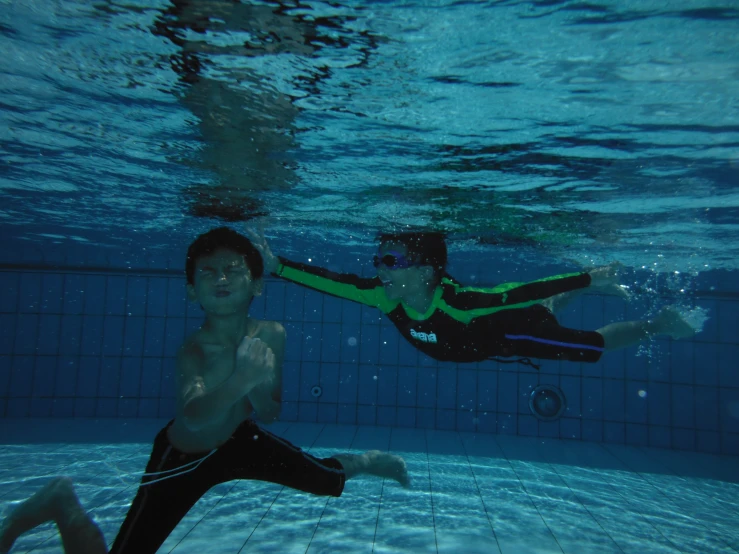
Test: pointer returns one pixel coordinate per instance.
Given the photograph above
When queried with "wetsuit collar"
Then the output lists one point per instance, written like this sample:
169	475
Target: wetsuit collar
418	316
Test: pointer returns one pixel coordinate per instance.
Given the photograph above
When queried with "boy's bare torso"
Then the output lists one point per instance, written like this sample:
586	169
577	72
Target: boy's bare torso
219	363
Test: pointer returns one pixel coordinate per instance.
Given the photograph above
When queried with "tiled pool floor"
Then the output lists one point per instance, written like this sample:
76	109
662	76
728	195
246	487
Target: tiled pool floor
472	493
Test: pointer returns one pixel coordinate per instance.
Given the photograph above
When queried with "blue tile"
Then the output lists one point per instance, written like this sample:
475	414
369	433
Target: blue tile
331	342
569	428
130	377
467	389
151	377
614	432
115	296
730	444
174	335
148	407
66	376
426	397
5	371
309	372
683	439
614	364
332	309
548	429
528	425
348	382
136	296
169	373
613	400
637	366
659	436
7	333
636	402
466	421
92	335
407	354
291	381
681	362
18	407
29	295
406	417
726	321
407	383
128	408
728	354
592	430
570	387
683	406
327	413
62	407
154	336
106	407
49	329
350	311
311	340
44	374
706	367
308	412
386	416
367	384
593	316
592	398
21	378
446	420
425	418
507	424
507	392
94	294
133	342
156	297
366	415
294	297
487	390
389	345
176	299
708	441
10	285
446	387
84	407
110	377
658	401
637	435
329	382
347	414
88	376
487	422
40	407
71	334
167	407
526	384
729	400
350	344
369	346
312	306
26	334
387	386
52	293
113	336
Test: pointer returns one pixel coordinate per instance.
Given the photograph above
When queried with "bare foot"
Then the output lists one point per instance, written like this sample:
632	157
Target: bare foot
671	322
387	465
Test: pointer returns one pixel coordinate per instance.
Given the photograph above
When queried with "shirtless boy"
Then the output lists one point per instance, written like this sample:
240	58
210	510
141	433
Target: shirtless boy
229	372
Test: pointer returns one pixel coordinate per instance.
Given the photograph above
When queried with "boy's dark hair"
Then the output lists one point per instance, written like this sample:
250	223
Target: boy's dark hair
216	239
424	248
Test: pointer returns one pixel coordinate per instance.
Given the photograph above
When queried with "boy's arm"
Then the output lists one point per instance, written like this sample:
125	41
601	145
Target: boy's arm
266	399
198	404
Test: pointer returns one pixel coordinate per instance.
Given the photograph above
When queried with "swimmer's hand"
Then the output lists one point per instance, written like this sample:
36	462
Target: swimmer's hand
255	362
256	235
605	280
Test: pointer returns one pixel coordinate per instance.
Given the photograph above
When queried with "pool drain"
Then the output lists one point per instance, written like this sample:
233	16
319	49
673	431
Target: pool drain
547	402
316	391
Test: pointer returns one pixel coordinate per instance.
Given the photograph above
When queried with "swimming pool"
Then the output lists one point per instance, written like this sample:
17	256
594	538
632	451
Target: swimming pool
541	137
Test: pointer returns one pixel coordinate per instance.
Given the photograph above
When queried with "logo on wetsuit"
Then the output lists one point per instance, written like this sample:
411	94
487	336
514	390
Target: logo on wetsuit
425	337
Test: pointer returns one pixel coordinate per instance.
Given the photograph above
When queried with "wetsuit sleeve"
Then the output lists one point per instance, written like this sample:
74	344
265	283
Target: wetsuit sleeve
508	295
369	292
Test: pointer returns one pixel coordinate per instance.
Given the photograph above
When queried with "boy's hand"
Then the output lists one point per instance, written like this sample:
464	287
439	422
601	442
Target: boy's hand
260	243
255	362
605	279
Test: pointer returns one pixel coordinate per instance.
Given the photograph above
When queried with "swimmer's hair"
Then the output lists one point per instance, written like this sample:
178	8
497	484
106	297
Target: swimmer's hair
424	248
223	238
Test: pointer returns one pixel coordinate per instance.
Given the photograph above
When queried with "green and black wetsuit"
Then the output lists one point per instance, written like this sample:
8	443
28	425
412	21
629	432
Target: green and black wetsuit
469	324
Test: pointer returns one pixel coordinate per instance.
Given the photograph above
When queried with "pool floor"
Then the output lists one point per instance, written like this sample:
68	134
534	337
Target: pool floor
472	493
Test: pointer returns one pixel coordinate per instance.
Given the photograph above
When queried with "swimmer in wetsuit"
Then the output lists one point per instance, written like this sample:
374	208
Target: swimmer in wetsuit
229	373
451	322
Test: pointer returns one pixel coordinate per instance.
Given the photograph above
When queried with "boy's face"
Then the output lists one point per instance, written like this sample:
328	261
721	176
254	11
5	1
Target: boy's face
223	284
403	278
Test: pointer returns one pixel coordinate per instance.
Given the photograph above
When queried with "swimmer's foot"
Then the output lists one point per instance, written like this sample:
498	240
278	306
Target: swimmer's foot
671	322
375	462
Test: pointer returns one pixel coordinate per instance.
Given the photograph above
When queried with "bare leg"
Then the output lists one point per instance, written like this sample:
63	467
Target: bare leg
374	462
56	502
668	322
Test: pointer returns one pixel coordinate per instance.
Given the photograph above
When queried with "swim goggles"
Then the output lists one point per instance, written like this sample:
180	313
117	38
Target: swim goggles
393	260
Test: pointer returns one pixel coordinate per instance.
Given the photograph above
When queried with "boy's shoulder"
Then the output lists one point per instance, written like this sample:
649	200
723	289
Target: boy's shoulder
269	328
